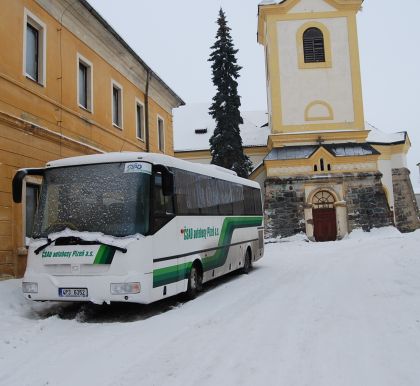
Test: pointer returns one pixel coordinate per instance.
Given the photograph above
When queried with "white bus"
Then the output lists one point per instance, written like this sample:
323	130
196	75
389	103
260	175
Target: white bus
137	227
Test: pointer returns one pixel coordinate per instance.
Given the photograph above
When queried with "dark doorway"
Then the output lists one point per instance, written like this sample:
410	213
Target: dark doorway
324	217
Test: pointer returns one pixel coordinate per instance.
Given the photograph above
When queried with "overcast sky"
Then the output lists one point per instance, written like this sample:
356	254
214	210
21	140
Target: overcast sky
174	38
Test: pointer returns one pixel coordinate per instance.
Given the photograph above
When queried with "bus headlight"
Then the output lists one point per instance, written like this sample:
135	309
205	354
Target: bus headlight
125	288
30	288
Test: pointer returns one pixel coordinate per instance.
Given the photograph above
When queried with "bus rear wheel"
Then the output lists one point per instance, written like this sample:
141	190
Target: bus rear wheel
195	282
247	262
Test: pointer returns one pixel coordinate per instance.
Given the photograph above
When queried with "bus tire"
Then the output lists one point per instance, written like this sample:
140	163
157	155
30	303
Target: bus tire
247	262
195	282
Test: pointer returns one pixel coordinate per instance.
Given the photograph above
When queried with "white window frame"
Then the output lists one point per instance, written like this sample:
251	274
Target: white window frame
159	118
89	66
115	84
138	102
35	22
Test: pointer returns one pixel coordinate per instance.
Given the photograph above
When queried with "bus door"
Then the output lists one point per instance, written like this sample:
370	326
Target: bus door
165	229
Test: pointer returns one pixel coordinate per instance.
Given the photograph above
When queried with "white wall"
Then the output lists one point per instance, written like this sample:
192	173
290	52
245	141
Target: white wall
385	167
300	87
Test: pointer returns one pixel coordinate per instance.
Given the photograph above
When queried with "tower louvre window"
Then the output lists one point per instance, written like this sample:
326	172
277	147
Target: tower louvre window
313	45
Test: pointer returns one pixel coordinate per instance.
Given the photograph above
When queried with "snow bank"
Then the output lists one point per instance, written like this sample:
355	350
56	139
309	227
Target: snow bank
341	313
301	237
385	232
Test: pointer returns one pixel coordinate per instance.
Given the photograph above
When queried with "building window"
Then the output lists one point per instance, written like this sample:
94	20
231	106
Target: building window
140	120
161	135
117	105
32	196
34	55
32	52
313	45
84	83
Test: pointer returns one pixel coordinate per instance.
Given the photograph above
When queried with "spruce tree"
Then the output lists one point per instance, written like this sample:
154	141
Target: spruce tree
226	143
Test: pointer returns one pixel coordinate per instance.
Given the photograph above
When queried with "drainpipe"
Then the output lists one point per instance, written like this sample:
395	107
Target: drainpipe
146	106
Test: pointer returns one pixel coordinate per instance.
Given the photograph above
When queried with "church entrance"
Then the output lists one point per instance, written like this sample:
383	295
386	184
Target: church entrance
324	217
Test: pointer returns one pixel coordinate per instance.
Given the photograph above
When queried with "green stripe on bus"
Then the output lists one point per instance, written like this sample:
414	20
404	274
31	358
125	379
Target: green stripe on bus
174	273
218	259
105	255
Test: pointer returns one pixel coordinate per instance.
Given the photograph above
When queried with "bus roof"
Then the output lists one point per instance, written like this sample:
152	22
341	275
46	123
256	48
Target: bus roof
162	159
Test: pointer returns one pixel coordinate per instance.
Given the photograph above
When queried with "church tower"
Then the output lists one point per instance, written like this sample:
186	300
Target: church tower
313	69
321	175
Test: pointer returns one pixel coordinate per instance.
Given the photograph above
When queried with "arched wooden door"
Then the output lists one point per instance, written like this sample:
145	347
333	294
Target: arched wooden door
324	216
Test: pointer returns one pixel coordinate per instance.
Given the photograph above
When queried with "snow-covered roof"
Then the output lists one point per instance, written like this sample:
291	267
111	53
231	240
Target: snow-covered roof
193	127
108	27
270	2
381	137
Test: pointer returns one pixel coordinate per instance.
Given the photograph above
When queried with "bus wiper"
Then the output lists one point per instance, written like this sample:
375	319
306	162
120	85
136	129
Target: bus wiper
74	241
42	247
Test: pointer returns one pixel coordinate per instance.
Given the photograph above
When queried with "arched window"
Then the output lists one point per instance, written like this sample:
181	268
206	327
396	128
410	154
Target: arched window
313	45
323	200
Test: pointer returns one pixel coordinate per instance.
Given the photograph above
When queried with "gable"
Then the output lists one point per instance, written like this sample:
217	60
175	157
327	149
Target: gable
321	152
306	6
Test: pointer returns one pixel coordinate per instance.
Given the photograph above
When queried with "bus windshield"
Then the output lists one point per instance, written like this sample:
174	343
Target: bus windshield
112	199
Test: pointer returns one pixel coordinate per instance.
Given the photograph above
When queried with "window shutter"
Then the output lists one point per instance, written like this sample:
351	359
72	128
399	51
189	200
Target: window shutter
313	46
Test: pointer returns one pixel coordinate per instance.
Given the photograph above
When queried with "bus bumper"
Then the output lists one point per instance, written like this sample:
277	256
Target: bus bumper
95	289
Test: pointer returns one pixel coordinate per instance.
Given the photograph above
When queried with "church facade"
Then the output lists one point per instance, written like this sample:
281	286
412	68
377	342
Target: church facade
323	169
322	175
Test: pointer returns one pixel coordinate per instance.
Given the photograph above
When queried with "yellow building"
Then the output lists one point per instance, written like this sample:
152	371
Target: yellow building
69	85
323	175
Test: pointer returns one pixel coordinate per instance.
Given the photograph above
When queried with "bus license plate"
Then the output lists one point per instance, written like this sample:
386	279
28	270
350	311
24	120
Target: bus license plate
73	292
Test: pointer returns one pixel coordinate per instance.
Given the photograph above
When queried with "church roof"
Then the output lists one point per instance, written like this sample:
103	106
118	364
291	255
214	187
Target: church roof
379	137
291	152
350	149
305	152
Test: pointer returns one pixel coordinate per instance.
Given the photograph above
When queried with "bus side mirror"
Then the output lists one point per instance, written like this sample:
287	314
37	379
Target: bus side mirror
167	180
17	182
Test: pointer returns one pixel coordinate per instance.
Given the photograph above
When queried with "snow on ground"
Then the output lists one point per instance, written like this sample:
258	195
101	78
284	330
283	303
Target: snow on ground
339	313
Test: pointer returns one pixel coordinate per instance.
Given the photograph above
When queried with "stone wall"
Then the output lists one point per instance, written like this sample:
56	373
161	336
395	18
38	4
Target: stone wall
367	205
284	207
364	198
406	209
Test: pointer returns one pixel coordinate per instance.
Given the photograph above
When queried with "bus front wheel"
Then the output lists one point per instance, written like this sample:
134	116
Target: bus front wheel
195	282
